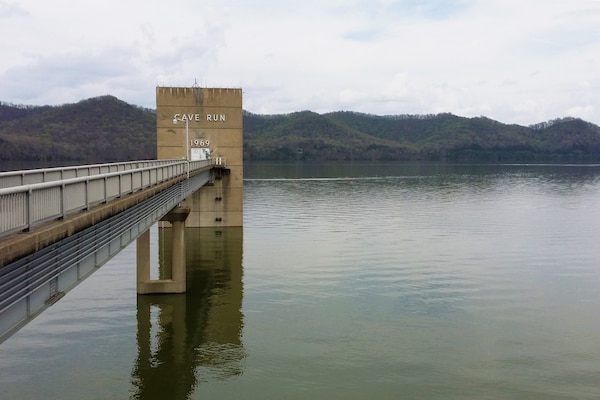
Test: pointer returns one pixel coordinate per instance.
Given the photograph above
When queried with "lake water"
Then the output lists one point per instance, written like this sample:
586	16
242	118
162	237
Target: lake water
347	281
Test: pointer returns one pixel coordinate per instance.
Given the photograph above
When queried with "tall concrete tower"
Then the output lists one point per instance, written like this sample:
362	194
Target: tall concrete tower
199	123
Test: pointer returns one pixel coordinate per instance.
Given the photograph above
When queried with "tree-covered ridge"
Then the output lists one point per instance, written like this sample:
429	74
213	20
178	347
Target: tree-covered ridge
105	129
360	136
99	129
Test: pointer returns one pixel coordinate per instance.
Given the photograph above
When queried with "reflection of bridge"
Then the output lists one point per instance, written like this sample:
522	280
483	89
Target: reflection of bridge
58	230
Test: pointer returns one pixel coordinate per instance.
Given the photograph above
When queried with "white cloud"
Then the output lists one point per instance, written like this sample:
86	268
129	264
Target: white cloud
583	112
514	61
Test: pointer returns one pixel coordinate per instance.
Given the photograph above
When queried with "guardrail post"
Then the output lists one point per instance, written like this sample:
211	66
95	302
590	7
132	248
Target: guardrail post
63	199
87	194
29	207
105	190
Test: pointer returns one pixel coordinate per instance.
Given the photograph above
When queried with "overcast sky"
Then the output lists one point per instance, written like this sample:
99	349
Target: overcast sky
515	61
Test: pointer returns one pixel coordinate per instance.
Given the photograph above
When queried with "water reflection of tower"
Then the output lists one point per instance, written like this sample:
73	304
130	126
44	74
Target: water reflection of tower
186	339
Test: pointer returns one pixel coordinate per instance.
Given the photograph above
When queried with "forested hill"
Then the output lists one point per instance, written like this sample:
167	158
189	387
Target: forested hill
106	129
356	136
99	129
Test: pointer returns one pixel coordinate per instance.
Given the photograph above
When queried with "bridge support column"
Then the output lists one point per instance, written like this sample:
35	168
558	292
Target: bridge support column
176	284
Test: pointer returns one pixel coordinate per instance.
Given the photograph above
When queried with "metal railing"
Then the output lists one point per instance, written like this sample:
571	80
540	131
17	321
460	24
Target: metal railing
219	162
31	176
24	206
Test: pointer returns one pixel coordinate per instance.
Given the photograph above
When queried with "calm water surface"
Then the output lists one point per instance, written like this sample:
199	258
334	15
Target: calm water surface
348	281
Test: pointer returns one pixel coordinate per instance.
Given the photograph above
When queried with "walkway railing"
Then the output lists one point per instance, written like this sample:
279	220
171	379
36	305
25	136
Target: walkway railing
26	205
31	176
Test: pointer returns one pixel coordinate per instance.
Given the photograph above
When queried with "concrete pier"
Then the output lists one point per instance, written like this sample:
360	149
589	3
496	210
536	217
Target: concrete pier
176	284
